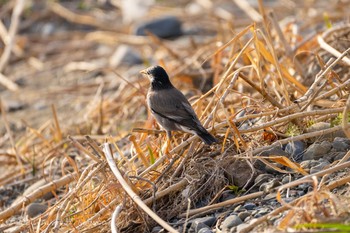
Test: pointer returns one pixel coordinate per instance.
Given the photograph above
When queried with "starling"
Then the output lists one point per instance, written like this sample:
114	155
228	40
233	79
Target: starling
170	107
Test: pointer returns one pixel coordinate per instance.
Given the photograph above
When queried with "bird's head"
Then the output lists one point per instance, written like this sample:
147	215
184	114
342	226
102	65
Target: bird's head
158	77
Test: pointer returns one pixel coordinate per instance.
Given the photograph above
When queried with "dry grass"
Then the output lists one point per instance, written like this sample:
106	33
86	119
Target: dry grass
257	91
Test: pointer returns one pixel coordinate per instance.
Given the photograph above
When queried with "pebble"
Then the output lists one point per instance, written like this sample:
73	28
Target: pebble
341	144
322	126
200	223
230	222
242	226
262	178
267	187
166	27
244	215
227	195
35	209
319	167
157	229
318	126
270	196
205	230
295	150
306	164
13	105
125	55
277	151
249	206
317	150
286	180
339	155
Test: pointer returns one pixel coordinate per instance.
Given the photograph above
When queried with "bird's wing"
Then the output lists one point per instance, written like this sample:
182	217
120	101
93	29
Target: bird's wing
174	106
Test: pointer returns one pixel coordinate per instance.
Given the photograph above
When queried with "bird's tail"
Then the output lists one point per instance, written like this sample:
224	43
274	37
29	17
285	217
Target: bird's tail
206	137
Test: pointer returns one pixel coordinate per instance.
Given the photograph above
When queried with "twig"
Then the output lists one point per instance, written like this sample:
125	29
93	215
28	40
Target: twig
115	214
312	90
329	48
291	117
15	20
170	189
130	192
346	116
83	149
287	47
53	185
80	19
9	132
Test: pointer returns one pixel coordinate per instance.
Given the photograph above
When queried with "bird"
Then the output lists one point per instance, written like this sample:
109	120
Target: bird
170	107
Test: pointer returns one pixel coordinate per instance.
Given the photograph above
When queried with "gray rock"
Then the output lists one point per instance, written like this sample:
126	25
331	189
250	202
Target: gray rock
197	226
241	227
35	209
205	230
157	229
125	55
339	155
317	150
13	105
166	27
208	221
230	222
306	164
263	178
243	215
319	167
249	206
227	195
274	151
270	196
263	211
341	144
295	149
322	126
286	180
267	187
318	126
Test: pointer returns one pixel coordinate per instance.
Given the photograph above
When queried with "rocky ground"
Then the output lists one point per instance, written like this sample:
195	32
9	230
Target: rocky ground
272	92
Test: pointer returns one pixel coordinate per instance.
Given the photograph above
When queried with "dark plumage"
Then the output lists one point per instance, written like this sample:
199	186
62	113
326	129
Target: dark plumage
171	108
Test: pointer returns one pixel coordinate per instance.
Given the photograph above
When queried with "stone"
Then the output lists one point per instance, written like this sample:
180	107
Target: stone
317	150
319	167
230	222
286	180
166	27
267	187
322	126
249	206
243	215
157	229
13	105
35	209
341	144
339	156
318	126
276	151
208	221
295	150
205	230
125	55
263	178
